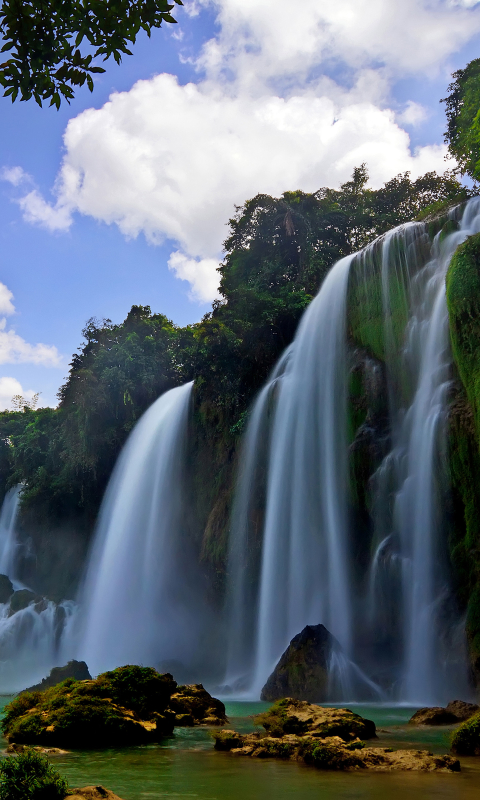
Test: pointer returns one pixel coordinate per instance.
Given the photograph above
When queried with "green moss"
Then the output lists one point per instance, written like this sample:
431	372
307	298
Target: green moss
466	739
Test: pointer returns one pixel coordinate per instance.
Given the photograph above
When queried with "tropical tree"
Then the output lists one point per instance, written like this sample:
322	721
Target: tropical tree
463	119
43	40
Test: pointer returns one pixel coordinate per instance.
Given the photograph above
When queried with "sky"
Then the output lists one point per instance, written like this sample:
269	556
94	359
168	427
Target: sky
123	197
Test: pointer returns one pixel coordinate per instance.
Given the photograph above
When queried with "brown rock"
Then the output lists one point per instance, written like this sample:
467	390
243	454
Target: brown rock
195	706
461	710
74	669
298	717
433	716
302	671
92	793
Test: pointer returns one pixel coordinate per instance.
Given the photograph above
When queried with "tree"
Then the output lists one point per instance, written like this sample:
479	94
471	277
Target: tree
43	38
463	119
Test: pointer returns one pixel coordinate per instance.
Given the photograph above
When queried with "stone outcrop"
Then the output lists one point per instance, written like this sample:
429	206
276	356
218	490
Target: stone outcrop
6	588
74	669
327	738
302	671
129	705
456	711
193	705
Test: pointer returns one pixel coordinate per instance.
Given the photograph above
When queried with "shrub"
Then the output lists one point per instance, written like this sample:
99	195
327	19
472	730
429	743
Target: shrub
30	776
466	739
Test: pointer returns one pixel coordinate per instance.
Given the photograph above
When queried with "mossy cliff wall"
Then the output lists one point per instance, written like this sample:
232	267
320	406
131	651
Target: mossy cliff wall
463	300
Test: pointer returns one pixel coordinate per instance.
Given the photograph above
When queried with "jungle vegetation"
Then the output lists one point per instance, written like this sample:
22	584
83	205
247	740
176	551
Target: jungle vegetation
462	106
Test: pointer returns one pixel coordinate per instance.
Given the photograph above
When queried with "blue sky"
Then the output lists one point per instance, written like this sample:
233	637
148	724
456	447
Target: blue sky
132	206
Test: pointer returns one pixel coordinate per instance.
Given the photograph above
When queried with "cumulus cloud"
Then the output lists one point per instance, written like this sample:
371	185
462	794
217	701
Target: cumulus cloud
9	387
171	161
15	350
15	175
6	297
201	274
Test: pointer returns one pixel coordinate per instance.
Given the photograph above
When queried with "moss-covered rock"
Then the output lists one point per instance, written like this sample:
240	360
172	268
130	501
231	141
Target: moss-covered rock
125	706
302	671
193	705
296	716
466	739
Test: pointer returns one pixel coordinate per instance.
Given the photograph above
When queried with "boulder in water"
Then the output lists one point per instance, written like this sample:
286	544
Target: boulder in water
74	669
302	671
327	738
456	711
193	705
6	588
129	705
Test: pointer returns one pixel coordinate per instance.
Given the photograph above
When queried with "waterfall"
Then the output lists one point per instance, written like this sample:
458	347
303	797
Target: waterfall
139	598
8	541
292	551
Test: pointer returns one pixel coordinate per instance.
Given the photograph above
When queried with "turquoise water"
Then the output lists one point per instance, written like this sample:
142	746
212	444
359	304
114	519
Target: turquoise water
186	766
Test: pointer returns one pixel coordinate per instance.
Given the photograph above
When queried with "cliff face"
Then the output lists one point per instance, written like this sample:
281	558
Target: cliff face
463	299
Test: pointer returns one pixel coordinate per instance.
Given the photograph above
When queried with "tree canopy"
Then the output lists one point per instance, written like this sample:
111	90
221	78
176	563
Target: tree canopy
462	106
43	40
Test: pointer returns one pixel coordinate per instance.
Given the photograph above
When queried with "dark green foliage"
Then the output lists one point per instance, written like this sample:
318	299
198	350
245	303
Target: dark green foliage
43	39
97	713
226	740
463	300
277	722
328	756
30	776
463	111
142	689
466	739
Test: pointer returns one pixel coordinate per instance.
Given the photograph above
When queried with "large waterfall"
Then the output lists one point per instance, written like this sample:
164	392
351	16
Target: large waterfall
292	554
139	597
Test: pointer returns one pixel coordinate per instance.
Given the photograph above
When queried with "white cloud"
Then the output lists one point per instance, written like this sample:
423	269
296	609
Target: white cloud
9	387
171	161
15	350
14	175
201	274
6	305
413	114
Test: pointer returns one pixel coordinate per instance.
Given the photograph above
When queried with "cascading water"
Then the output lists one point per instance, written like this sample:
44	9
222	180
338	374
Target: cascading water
8	541
35	638
139	596
294	566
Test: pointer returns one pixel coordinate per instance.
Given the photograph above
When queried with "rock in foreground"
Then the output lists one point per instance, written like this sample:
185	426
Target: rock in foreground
92	793
302	671
328	738
193	705
456	711
129	705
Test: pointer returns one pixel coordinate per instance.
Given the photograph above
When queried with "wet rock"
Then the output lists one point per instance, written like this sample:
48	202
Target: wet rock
6	588
74	669
16	749
92	793
433	716
296	716
326	738
456	711
461	710
302	671
192	704
21	599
